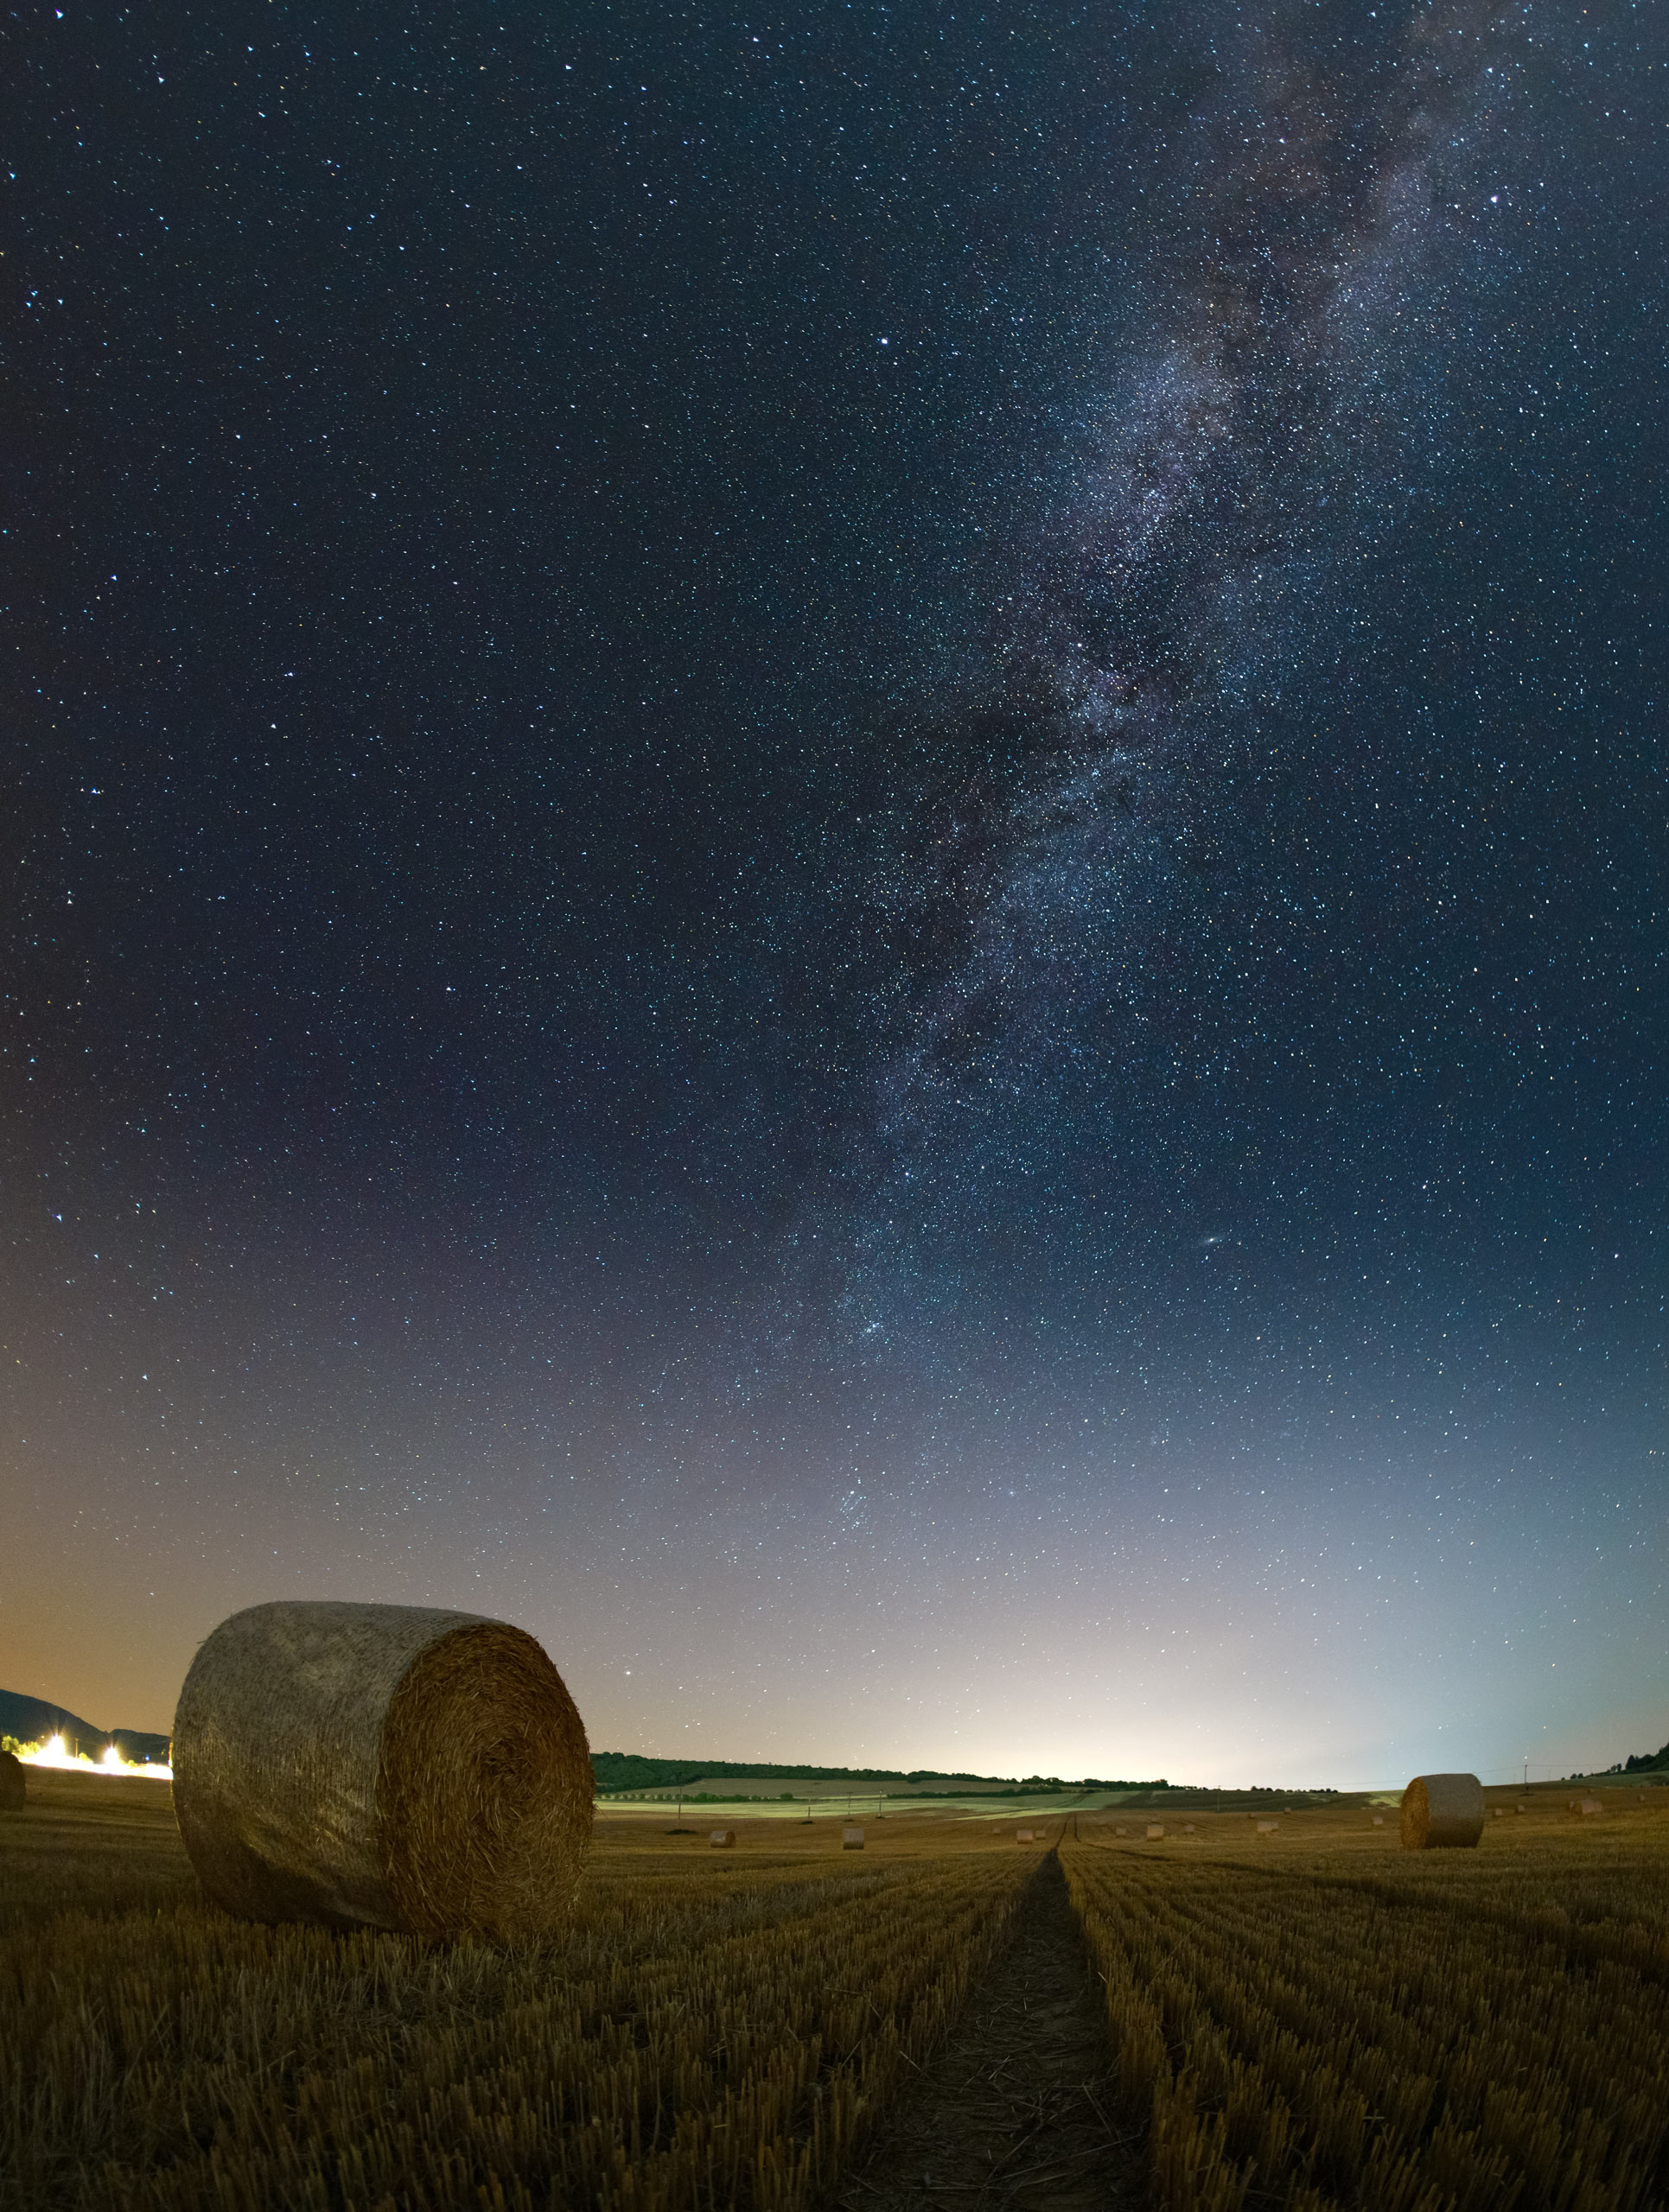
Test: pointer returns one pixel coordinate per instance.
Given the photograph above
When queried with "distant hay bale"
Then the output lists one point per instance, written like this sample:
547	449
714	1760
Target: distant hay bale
1187	1827
1268	1828
852	1839
1379	1820
1023	1835
722	1838
1156	1831
14	1790
1588	1807
1118	1831
1443	1811
382	1766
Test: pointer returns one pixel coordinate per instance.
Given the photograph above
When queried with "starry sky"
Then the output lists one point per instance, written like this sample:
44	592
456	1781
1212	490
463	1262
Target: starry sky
834	853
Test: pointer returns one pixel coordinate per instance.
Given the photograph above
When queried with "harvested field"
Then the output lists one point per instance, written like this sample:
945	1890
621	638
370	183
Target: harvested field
707	2031
1345	2024
1013	2113
1312	2018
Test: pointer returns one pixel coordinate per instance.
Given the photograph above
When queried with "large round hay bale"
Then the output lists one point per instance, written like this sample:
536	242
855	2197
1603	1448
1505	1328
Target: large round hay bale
14	1790
1443	1811
382	1766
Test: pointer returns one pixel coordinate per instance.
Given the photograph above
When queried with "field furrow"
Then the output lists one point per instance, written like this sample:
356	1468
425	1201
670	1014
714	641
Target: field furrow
726	2037
1404	2040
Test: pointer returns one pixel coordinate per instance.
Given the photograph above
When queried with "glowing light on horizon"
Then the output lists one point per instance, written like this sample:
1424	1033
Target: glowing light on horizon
56	1754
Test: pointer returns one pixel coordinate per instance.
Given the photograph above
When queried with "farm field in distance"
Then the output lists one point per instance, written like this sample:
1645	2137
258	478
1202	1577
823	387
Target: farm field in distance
1309	2018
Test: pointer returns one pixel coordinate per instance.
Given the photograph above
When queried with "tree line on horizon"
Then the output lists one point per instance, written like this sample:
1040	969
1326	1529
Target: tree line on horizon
615	1770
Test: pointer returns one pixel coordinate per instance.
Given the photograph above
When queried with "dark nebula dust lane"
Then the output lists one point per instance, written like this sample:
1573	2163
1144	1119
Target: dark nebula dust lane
834	854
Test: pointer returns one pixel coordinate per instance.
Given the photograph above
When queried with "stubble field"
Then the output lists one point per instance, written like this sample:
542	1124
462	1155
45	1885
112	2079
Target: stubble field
1307	2018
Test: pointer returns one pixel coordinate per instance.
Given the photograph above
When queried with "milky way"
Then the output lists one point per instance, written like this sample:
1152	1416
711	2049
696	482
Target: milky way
1069	909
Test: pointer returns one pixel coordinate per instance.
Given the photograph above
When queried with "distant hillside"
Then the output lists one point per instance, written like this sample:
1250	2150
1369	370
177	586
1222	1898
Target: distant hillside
1647	1762
630	1770
30	1719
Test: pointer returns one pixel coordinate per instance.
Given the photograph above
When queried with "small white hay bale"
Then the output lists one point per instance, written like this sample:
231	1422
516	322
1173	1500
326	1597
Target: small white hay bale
1118	1831
722	1839
1379	1820
1586	1806
852	1839
1022	1835
382	1766
1268	1828
1187	1827
1156	1831
1443	1811
14	1788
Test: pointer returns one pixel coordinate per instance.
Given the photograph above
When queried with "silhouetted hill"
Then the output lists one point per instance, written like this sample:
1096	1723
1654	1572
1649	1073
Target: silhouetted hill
1647	1762
30	1719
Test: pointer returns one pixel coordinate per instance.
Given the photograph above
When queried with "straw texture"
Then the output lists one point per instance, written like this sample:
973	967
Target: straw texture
13	1789
1443	1811
382	1766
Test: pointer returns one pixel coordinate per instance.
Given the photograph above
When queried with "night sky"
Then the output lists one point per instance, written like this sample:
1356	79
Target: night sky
834	853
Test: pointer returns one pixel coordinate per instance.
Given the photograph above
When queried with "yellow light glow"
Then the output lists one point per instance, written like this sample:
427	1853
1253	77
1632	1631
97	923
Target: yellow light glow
56	1753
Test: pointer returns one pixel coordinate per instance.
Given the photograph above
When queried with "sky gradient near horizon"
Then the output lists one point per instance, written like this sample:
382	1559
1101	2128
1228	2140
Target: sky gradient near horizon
835	855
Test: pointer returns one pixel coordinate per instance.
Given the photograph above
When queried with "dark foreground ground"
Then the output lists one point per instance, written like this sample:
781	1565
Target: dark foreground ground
1015	2110
1221	2015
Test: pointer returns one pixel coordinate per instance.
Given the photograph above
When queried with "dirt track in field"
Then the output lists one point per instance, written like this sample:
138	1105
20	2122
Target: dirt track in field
1013	2116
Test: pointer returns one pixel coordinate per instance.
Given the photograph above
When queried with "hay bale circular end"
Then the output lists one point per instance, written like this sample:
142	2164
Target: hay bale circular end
14	1789
382	1766
1443	1811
